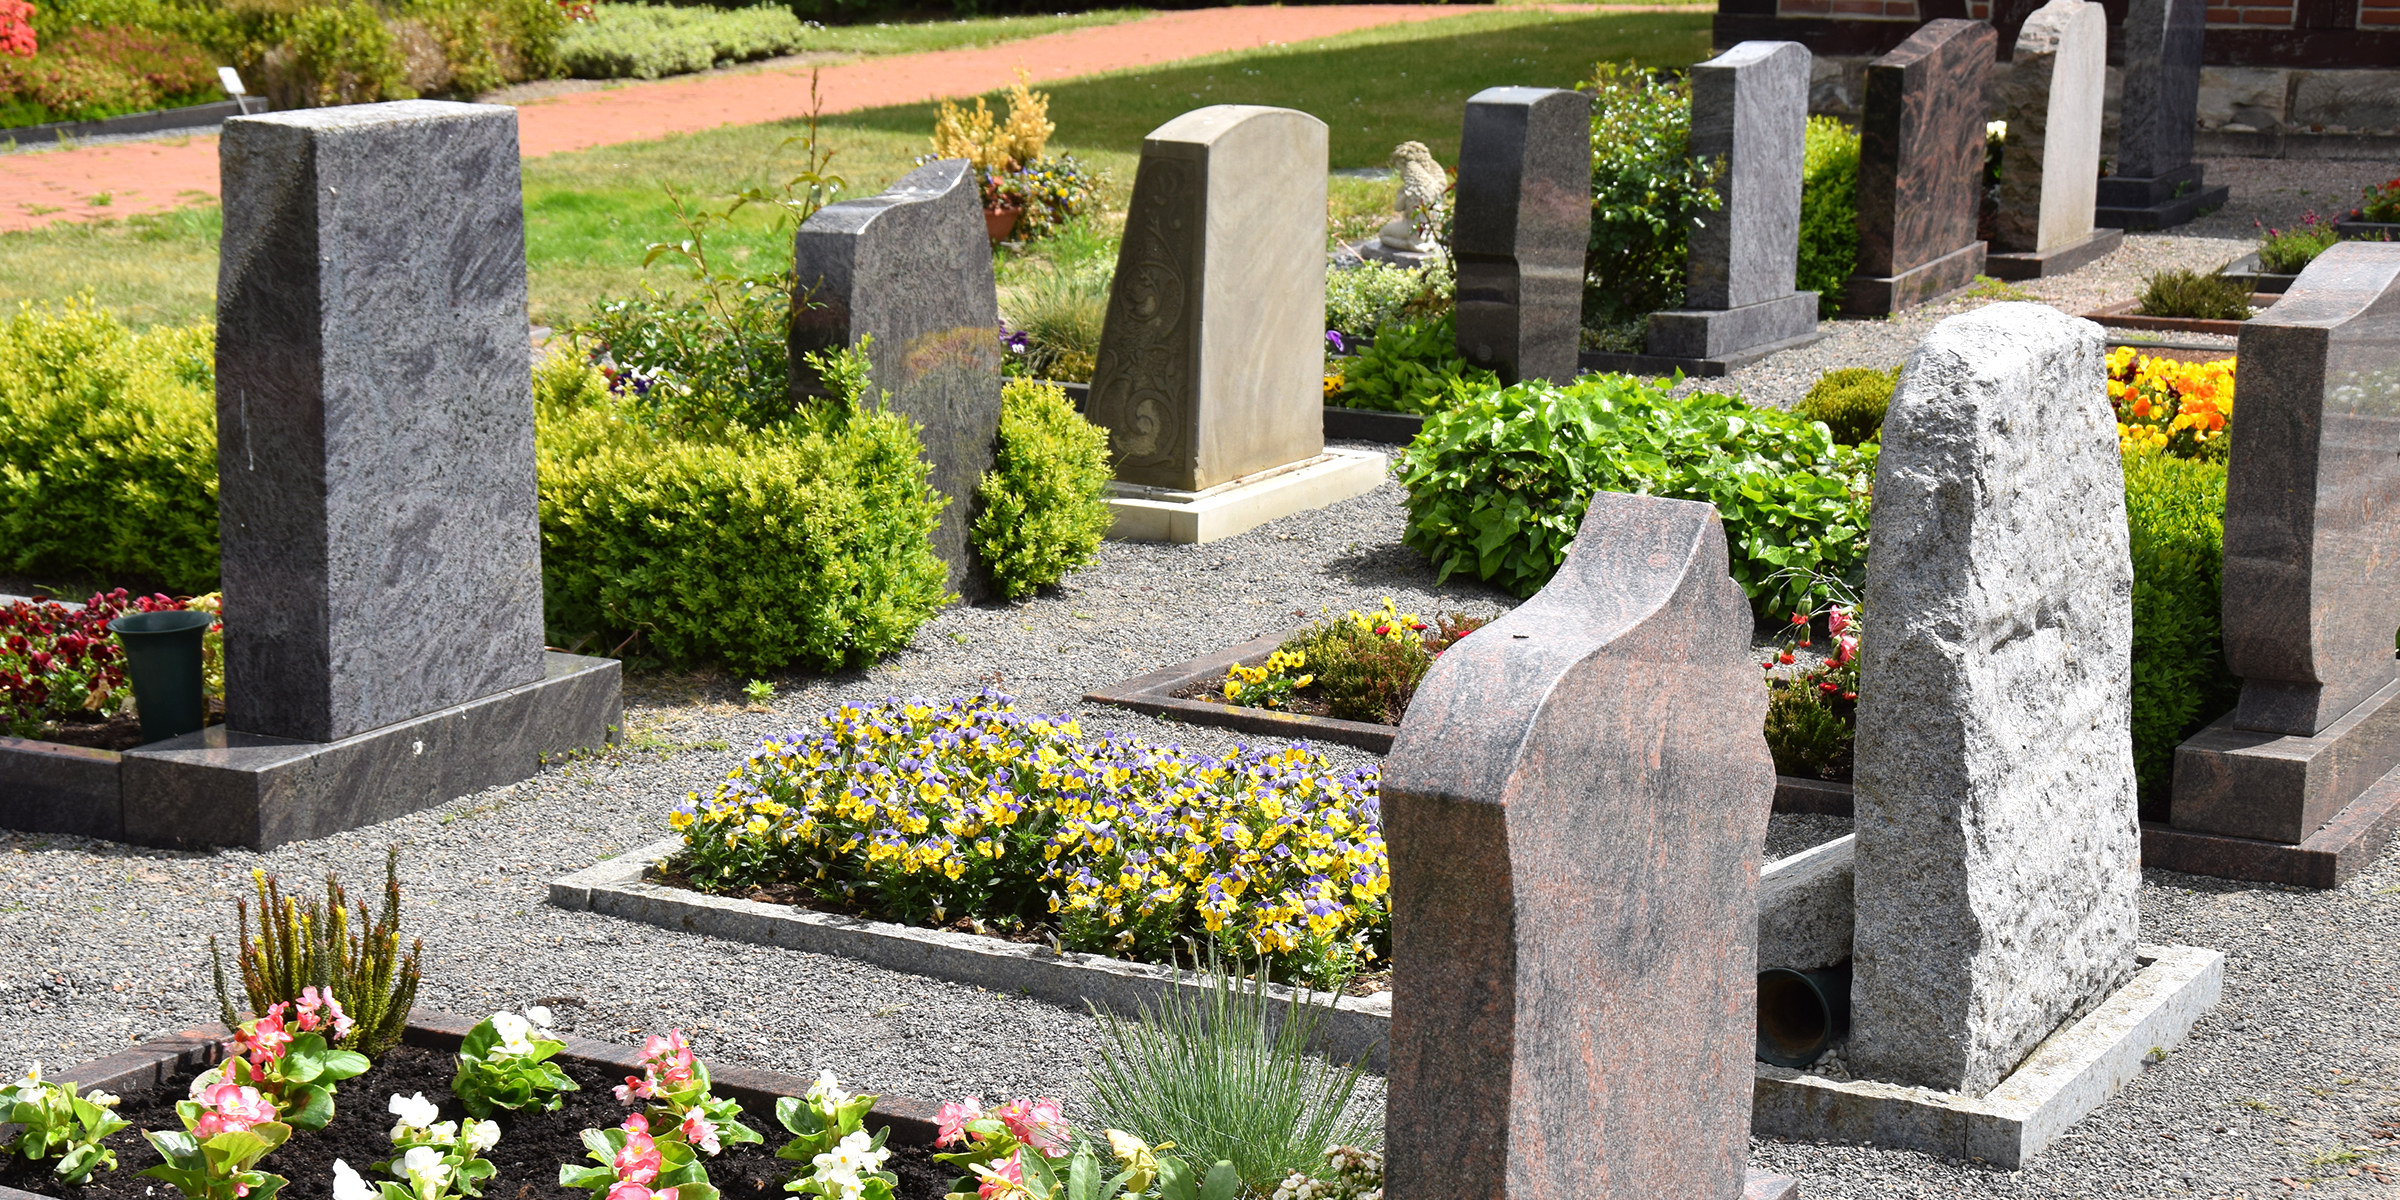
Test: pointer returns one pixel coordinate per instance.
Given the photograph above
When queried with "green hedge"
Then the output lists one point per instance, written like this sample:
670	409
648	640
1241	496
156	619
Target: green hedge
1497	486
1045	502
645	41
1646	188
108	449
1828	211
2175	509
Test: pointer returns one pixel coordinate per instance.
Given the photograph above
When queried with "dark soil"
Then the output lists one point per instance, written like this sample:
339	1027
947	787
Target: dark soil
121	732
532	1145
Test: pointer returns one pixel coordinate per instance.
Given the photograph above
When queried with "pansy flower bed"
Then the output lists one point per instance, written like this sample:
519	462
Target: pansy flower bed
62	673
969	813
2170	406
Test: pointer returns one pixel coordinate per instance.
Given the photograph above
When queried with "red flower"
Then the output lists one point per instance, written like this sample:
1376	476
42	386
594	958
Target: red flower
1786	656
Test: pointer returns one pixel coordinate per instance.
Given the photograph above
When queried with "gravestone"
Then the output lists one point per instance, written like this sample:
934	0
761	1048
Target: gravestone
910	270
2153	182
376	495
1920	168
1575	805
1211	363
1750	109
1521	228
1997	855
2312	527
2051	162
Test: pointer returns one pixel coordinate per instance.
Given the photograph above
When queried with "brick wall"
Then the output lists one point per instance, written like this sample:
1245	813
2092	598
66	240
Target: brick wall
2378	13
1867	10
2250	14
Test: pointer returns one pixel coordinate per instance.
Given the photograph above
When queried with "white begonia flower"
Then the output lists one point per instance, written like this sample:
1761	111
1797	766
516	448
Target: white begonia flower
442	1134
416	1111
539	1016
208	1079
482	1135
512	1030
347	1185
426	1171
827	1090
101	1099
33	1076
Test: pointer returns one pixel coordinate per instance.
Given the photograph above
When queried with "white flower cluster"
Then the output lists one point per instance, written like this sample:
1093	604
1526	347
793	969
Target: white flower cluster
516	1033
420	1126
1357	1175
848	1164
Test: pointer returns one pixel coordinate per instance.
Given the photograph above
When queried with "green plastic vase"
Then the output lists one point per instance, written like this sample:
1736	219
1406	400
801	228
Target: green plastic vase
162	655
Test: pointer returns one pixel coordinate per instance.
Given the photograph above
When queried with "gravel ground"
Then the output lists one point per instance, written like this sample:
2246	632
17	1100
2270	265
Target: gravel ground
105	943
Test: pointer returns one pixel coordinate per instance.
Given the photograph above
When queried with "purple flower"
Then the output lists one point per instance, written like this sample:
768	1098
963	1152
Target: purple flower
1333	337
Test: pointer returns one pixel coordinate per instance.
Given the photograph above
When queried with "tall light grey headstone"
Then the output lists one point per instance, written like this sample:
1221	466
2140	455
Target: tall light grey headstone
1750	109
2050	169
910	271
1997	855
376	493
2152	182
1211	363
1521	228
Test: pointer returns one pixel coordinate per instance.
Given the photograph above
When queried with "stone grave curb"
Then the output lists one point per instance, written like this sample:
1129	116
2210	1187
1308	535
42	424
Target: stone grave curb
1154	693
1356	1027
1371	425
2058	260
2386	230
2247	267
157	120
2121	316
2071	1073
157	1061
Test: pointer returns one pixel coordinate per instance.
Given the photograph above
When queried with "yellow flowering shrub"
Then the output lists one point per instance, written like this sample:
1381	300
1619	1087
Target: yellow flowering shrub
991	143
1269	684
968	810
2167	405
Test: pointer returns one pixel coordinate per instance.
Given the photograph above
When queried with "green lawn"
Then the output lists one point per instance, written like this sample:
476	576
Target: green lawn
919	36
590	214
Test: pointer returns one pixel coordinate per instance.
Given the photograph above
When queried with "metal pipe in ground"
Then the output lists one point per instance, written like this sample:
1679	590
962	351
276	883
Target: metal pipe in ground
1801	1014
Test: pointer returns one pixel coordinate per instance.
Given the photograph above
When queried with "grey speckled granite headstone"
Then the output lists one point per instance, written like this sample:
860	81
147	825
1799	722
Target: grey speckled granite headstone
2161	99
911	270
2050	169
1750	109
1575	807
376	492
1997	859
1521	228
1212	362
2312	500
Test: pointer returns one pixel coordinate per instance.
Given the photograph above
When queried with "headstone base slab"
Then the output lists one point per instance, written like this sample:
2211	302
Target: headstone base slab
2339	849
222	788
2275	787
1762	1185
48	787
2071	1073
1663	364
1720	332
2058	260
2140	203
1147	514
1882	295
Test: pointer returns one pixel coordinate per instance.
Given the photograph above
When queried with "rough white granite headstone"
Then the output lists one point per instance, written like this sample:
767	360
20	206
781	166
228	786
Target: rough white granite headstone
1998	857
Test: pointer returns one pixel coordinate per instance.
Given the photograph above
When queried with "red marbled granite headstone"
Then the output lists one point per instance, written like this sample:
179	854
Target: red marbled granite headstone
1575	806
1920	167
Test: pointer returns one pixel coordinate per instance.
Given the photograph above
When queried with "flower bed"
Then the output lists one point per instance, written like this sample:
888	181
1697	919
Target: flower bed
62	673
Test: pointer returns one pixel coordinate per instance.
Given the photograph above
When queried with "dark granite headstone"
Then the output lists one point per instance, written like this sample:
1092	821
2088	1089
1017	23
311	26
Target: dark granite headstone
911	270
1750	110
376	494
1575	805
2312	533
2153	182
1522	225
1920	168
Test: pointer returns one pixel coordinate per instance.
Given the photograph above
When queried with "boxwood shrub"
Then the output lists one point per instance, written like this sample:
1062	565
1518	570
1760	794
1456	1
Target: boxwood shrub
1498	484
1828	211
108	449
1045	505
2175	509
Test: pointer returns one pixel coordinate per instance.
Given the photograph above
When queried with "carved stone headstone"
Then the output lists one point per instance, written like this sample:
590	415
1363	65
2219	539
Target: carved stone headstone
1997	857
911	271
376	495
1574	806
1521	229
1749	108
1920	168
2153	182
1211	364
2312	559
2050	164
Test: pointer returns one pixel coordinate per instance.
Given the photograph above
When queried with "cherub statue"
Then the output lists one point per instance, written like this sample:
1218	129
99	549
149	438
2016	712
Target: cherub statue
1422	185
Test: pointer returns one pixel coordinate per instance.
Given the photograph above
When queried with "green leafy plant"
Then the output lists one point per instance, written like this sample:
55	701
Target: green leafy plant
1045	504
437	1158
1851	402
1056	317
1227	1075
1362	299
839	1159
1646	188
1497	487
337	54
505	1063
1410	368
2186	293
758	691
646	41
53	1122
2175	512
660	1147
307	951
227	1128
2380	203
1828	211
2289	251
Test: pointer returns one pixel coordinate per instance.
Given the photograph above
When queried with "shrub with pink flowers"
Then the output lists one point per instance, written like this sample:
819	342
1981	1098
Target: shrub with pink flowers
227	1128
16	29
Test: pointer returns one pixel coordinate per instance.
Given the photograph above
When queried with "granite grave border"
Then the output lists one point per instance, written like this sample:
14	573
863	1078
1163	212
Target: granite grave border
2248	269
2121	315
624	887
159	1060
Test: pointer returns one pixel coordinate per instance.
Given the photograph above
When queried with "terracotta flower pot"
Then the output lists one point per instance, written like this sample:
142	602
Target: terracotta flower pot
1000	220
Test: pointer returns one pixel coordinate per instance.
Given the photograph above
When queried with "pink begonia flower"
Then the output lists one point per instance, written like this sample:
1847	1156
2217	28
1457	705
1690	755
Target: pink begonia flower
1849	650
1000	1180
950	1124
232	1108
317	1010
634	1089
668	1058
629	1190
1037	1123
639	1161
262	1041
698	1132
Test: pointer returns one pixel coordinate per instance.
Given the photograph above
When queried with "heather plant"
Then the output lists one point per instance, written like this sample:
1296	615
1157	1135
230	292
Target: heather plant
1365	666
2190	294
504	1062
1646	188
308	954
52	1122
